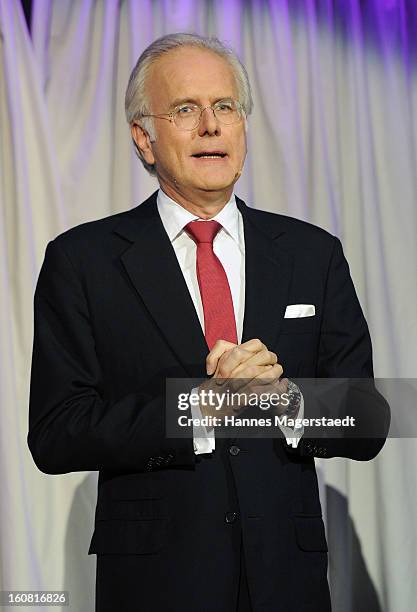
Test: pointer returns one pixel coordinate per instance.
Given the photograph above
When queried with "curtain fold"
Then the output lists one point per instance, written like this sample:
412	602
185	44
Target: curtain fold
332	140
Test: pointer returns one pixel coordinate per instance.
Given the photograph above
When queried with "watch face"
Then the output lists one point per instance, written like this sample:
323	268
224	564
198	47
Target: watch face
294	398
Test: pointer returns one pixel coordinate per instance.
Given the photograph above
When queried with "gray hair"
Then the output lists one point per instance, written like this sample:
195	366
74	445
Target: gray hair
136	102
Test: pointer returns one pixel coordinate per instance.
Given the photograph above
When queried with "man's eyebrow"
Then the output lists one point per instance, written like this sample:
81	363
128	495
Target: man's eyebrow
179	101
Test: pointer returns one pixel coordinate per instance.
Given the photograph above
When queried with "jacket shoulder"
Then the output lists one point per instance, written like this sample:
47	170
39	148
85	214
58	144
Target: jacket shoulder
99	229
297	229
89	230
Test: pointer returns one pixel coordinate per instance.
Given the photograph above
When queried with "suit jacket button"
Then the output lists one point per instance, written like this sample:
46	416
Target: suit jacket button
230	517
234	450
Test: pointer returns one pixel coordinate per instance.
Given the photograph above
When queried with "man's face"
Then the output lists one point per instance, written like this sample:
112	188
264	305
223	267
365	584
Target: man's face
190	74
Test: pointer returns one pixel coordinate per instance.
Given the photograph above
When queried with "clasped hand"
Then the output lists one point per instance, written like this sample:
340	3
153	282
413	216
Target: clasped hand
247	369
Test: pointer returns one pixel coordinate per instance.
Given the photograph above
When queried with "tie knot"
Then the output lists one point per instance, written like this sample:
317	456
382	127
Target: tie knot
203	231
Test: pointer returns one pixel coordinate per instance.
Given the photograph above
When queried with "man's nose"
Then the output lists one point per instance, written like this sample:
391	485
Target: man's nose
208	123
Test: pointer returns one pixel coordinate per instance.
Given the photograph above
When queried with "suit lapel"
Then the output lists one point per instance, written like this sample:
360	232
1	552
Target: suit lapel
268	270
152	266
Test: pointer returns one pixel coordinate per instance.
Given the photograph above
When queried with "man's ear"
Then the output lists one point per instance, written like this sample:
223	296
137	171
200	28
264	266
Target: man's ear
143	142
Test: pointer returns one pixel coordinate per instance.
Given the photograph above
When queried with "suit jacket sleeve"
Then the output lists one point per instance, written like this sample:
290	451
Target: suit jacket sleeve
345	351
72	425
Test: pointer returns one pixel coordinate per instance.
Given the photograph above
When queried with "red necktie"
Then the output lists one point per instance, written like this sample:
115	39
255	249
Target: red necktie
219	316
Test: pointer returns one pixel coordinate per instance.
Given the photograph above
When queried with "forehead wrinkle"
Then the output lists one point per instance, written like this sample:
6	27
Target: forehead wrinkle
166	69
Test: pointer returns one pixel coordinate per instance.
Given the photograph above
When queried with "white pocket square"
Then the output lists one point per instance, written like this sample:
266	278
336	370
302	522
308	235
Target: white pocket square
295	311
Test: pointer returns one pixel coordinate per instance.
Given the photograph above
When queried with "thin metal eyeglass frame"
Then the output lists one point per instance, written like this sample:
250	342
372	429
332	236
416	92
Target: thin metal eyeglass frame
170	116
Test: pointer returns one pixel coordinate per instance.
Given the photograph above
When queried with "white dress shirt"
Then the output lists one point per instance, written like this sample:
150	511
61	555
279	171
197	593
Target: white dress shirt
229	247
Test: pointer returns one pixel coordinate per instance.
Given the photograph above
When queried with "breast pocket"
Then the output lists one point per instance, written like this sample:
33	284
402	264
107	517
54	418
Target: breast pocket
299	325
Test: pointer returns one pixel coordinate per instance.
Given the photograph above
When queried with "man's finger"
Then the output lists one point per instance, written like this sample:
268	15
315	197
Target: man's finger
269	381
262	358
229	361
254	346
216	352
269	376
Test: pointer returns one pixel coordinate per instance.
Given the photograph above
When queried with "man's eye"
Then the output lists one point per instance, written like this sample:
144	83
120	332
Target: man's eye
224	106
186	109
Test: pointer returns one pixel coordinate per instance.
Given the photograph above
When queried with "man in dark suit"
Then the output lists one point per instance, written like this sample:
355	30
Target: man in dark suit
193	283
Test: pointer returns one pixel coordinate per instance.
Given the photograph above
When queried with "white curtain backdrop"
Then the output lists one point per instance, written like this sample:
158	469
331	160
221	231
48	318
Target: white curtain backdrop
332	140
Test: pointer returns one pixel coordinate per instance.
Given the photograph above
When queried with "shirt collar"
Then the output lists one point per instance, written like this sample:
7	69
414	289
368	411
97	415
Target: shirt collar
175	217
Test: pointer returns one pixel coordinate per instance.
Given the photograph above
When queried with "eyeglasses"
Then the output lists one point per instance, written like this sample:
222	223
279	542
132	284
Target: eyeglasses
188	116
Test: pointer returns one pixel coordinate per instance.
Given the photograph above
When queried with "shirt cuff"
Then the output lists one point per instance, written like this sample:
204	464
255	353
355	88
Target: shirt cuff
203	437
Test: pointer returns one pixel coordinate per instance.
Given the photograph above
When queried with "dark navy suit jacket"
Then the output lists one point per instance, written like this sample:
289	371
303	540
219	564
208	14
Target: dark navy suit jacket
113	320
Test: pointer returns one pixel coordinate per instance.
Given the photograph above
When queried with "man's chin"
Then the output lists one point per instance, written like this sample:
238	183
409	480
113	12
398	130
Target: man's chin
218	184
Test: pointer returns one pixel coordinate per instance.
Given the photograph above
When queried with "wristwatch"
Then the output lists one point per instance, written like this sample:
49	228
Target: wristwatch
294	399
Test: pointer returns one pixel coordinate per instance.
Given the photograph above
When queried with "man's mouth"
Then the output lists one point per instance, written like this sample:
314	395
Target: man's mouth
210	155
